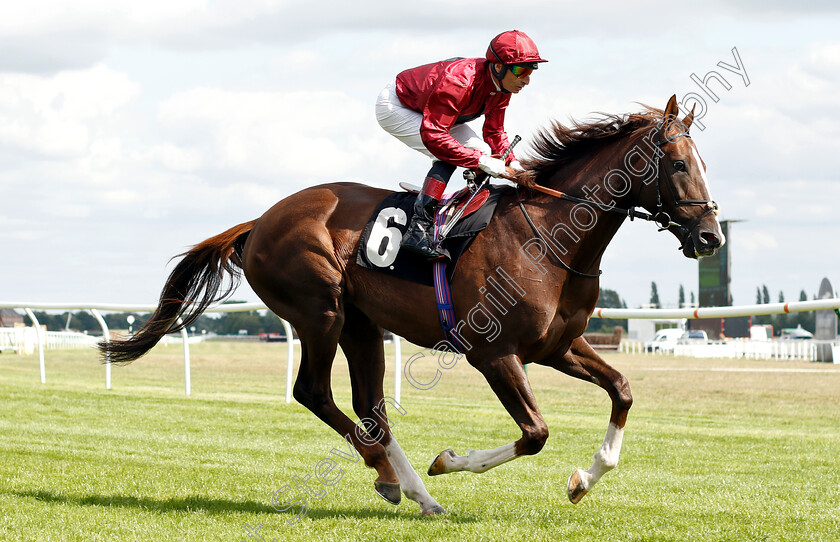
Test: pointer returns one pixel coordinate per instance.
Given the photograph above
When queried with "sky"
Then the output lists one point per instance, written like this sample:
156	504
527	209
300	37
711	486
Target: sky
130	131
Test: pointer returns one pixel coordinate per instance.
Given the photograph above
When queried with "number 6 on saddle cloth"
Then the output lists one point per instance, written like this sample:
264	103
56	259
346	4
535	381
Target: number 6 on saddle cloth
379	245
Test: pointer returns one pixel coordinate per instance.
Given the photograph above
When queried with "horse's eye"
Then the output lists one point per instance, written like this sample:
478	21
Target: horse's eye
679	165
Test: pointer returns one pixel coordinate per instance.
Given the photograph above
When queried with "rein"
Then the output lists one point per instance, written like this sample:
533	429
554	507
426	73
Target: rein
660	217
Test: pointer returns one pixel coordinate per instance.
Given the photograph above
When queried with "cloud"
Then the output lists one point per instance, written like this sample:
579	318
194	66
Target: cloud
174	158
125	122
824	60
318	134
86	30
753	241
766	210
55	116
111	17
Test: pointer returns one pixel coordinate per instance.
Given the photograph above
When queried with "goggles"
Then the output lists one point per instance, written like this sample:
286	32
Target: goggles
521	71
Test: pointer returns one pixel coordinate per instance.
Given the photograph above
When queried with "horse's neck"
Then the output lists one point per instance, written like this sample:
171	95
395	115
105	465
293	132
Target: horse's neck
592	225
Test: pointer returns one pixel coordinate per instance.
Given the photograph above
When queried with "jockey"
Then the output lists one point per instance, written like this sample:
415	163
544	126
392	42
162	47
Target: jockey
427	108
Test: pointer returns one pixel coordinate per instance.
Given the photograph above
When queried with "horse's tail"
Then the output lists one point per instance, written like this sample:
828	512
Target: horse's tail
198	281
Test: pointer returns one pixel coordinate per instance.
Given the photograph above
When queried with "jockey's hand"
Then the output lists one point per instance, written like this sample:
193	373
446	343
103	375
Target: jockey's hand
491	165
517	174
513	170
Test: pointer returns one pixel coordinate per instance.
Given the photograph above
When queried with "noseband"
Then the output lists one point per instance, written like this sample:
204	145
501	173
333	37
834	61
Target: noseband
659	217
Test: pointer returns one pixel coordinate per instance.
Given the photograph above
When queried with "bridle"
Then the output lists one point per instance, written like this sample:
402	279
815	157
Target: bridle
659	217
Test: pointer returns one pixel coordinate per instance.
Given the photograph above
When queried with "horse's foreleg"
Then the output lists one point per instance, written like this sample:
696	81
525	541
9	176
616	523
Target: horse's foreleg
361	341
474	461
581	361
508	380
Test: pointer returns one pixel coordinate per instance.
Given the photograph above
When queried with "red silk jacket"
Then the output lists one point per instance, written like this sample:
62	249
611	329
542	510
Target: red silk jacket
450	92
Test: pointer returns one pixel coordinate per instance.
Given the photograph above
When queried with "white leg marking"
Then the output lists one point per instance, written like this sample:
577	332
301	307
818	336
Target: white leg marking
480	460
410	482
604	459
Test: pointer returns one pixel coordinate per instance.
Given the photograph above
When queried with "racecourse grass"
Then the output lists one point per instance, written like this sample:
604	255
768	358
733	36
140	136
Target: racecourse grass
714	450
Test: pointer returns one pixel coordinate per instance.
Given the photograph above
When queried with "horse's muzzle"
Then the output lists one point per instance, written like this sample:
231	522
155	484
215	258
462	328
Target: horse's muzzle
703	242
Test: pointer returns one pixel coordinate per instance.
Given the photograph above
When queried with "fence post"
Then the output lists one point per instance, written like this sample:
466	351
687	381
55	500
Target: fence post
106	336
290	358
40	342
185	337
397	367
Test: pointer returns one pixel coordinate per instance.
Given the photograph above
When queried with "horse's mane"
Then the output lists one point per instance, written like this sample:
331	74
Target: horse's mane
559	145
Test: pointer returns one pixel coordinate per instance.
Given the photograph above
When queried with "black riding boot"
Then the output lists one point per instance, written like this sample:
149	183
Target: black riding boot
420	235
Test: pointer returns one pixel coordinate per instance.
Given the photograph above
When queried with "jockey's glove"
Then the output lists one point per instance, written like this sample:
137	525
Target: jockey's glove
493	166
516	166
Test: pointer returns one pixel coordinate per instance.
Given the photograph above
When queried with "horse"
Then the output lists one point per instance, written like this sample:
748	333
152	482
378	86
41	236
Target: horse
545	241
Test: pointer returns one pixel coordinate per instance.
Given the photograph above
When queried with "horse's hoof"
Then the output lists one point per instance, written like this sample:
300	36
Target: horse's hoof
438	466
388	491
574	487
433	511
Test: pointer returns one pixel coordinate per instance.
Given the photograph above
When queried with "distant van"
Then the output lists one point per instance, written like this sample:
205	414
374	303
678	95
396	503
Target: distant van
694	336
761	333
664	340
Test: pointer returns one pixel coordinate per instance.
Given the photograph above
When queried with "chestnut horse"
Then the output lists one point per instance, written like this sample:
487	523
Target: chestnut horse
535	266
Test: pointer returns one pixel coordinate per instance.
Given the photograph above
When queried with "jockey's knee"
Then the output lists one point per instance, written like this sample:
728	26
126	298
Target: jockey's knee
478	144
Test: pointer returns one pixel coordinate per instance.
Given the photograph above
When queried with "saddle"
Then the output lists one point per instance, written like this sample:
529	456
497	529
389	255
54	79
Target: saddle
379	245
458	206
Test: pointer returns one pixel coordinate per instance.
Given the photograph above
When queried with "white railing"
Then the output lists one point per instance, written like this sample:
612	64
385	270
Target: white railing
94	309
64	340
24	339
702	312
780	349
720	312
776	349
9	340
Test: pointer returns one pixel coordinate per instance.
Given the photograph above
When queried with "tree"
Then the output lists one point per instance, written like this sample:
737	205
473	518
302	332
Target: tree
681	296
654	296
692	299
808	320
119	320
607	299
762	297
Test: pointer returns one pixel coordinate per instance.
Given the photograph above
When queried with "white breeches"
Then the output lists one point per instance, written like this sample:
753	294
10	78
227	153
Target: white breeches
404	124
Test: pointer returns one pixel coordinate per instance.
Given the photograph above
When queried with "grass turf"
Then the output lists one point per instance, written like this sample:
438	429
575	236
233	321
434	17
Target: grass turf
714	450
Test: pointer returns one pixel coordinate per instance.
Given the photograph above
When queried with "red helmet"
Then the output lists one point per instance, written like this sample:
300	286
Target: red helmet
513	47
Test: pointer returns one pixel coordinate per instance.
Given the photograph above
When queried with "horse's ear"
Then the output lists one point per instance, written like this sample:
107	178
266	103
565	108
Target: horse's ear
671	110
689	118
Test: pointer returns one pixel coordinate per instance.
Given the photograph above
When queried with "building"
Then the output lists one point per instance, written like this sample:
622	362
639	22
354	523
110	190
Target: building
10	317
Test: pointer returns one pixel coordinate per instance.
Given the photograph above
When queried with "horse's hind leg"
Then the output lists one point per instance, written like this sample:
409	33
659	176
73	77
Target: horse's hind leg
319	340
581	361
361	341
